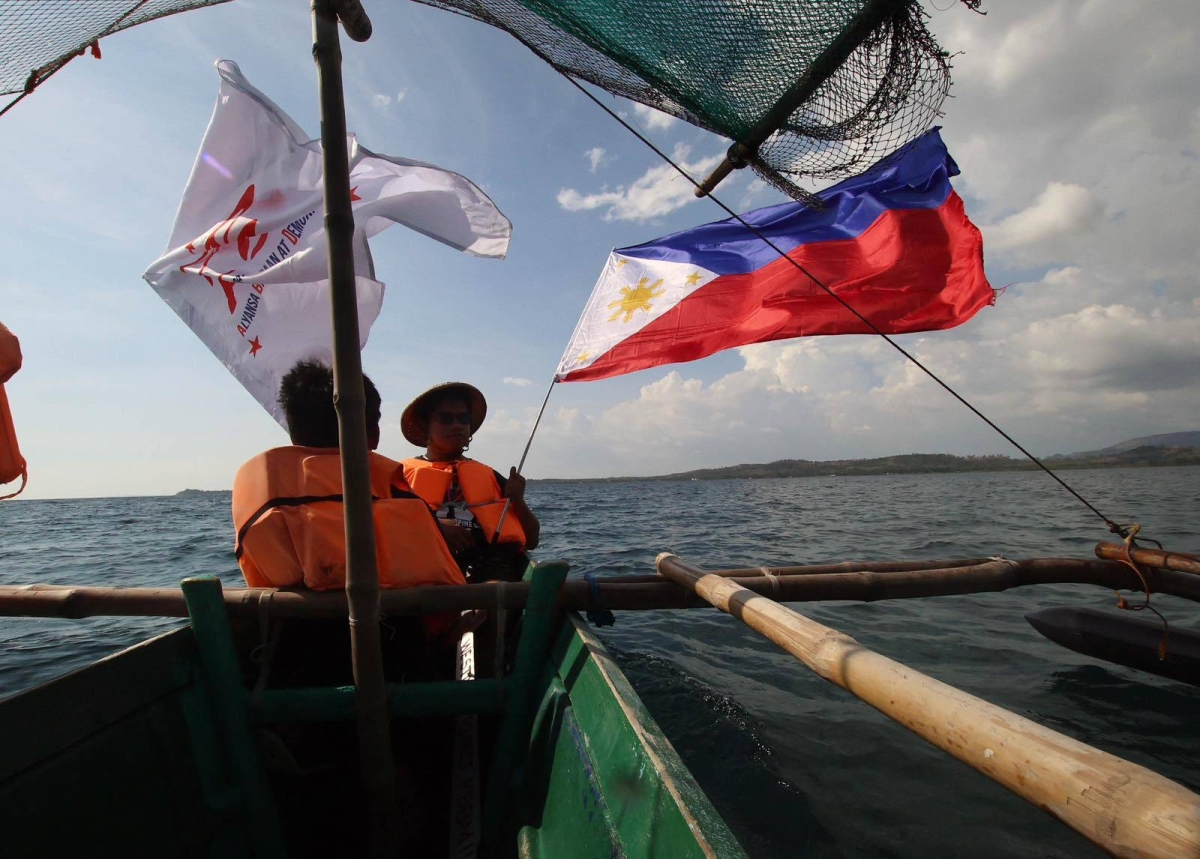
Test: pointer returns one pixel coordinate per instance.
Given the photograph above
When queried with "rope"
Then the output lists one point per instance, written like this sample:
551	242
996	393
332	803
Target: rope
1112	526
1145	606
774	580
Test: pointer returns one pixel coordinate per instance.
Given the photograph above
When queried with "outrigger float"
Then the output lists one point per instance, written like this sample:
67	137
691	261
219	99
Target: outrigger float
206	742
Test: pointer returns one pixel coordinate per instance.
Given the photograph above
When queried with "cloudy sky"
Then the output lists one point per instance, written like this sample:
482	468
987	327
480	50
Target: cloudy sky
1076	124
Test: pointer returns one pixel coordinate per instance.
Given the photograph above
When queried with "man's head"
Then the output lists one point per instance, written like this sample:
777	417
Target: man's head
306	395
444	418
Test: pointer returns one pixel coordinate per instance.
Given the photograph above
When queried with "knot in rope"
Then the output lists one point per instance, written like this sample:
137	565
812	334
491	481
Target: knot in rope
774	580
1127	560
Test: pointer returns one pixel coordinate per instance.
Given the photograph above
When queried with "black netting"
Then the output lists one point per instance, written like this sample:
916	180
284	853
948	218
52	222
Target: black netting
39	37
723	65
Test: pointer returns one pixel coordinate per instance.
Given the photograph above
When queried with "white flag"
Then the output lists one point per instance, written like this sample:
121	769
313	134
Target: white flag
246	264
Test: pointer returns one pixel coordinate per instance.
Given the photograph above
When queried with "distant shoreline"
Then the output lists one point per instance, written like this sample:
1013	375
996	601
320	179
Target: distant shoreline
912	463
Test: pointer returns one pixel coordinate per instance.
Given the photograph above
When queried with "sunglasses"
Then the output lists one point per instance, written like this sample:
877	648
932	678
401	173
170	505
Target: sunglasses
454	418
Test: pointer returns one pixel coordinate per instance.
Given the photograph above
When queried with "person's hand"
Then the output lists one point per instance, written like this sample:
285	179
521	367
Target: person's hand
458	539
514	490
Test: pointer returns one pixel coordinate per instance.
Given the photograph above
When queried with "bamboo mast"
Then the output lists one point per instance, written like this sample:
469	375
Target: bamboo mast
1124	808
362	577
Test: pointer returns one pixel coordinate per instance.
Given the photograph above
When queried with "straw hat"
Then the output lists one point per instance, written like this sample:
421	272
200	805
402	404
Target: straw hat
412	424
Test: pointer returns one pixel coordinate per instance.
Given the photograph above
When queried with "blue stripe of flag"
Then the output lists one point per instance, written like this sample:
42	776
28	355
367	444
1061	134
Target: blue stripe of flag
915	177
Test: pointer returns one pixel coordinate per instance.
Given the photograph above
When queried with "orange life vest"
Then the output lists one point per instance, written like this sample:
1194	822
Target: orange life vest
287	509
12	464
431	481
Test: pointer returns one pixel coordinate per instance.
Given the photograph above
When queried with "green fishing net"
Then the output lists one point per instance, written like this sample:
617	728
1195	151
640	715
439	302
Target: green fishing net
39	37
724	64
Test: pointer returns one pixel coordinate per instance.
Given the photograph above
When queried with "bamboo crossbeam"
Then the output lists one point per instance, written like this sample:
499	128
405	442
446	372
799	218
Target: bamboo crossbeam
626	593
1177	561
839	567
1124	808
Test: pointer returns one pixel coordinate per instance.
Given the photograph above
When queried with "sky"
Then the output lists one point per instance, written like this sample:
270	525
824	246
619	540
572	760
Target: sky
1076	124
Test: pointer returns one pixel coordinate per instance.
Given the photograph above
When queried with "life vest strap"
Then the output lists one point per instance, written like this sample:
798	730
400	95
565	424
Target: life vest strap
297	501
21	488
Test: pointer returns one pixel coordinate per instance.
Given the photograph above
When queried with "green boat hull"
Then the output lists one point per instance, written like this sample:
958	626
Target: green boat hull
130	757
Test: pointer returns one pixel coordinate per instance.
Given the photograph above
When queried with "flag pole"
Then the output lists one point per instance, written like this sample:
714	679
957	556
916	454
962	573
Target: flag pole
362	578
521	464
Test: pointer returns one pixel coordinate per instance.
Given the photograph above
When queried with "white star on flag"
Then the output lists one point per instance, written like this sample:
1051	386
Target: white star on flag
630	294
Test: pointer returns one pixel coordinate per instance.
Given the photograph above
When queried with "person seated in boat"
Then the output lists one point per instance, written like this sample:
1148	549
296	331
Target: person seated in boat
287	502
483	515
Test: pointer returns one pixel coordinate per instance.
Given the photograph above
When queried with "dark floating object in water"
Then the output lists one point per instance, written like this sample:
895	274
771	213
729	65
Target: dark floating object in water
1123	640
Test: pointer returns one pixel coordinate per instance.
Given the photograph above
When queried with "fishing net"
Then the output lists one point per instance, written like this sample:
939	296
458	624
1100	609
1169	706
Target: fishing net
724	65
40	37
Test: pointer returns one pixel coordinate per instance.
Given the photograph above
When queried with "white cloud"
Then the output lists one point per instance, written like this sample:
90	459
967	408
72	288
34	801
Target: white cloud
517	382
1060	210
658	192
597	157
655	120
757	194
382	101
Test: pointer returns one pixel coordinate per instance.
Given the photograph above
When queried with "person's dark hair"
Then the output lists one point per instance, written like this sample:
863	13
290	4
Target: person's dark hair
306	396
427	408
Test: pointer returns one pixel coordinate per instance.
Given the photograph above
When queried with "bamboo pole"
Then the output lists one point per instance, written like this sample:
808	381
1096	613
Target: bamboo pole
1124	808
1177	561
839	567
625	593
362	577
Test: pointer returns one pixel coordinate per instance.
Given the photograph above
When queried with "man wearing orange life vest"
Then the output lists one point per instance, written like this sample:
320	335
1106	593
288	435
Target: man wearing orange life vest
469	497
287	502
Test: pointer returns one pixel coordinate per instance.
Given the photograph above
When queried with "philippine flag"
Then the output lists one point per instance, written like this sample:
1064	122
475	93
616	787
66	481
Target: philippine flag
894	243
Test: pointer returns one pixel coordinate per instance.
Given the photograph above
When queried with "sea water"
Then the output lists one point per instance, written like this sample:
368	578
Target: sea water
795	765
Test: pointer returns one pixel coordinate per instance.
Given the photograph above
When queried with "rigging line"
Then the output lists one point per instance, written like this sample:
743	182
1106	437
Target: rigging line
1112	526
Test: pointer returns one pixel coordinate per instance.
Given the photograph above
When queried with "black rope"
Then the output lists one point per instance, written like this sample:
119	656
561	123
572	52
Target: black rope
1112	526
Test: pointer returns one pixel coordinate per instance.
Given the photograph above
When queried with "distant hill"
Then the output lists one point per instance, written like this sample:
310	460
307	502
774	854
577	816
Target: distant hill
1147	456
1173	448
1166	439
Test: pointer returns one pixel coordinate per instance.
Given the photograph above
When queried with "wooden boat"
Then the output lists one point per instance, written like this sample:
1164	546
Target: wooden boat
193	744
170	748
189	731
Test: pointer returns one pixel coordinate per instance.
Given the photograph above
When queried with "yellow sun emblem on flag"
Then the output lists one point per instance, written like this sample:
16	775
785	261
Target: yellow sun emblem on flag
635	298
